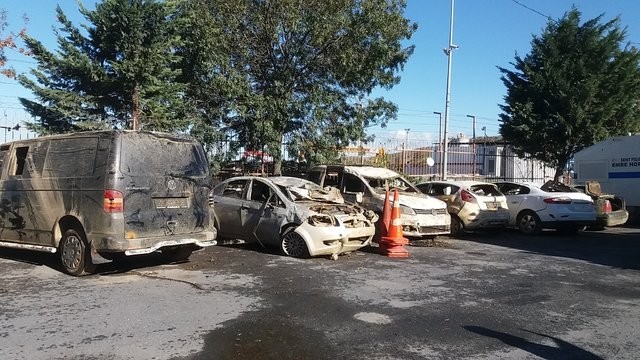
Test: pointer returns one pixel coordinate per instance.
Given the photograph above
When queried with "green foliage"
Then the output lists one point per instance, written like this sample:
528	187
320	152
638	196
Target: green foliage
577	86
119	67
294	70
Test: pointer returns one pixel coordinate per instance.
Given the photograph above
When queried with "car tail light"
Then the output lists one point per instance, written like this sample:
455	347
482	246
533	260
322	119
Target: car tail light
557	200
606	206
467	196
113	201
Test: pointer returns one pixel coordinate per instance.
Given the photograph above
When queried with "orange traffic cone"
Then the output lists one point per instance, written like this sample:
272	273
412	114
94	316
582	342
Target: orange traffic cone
385	220
392	244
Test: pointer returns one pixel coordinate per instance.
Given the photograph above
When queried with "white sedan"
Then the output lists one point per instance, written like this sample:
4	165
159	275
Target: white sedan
550	206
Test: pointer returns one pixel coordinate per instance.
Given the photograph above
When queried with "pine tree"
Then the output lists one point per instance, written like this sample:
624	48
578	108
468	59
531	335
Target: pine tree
579	84
117	72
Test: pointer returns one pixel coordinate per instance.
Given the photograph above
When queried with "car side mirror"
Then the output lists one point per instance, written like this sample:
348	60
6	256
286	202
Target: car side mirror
359	196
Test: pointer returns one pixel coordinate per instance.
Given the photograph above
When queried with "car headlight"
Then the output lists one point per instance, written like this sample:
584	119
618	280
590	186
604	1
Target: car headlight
322	220
406	210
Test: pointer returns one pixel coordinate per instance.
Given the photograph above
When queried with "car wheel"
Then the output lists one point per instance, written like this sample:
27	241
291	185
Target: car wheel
177	254
293	244
74	254
456	226
529	223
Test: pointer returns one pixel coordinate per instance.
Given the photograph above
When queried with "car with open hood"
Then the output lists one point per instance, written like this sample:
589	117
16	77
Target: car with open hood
421	215
473	205
300	217
550	206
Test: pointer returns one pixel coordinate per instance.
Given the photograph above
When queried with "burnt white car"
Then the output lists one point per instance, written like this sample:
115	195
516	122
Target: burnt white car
421	215
300	217
473	205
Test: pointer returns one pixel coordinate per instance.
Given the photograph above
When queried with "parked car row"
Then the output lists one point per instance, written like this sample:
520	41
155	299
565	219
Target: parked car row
92	196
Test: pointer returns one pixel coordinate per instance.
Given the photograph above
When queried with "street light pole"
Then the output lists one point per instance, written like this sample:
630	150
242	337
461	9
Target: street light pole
404	151
474	143
448	51
439	143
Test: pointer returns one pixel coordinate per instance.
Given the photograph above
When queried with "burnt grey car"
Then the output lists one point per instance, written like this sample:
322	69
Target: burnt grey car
300	217
92	196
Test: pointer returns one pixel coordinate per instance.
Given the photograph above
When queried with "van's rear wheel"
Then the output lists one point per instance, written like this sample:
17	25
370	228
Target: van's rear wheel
177	254
74	254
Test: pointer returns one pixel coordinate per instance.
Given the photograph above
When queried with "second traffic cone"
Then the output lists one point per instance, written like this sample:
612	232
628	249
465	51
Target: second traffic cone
385	220
392	244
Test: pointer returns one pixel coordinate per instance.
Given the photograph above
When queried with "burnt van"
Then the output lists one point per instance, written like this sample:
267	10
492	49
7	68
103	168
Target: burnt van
91	196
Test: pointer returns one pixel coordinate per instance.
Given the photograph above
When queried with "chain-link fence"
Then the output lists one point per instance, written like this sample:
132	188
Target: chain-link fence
486	158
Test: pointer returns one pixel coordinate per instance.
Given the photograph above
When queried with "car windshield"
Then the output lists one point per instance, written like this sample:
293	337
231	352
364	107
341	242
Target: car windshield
305	191
381	185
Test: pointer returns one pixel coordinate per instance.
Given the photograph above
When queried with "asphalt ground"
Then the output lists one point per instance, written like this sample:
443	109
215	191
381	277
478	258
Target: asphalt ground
481	296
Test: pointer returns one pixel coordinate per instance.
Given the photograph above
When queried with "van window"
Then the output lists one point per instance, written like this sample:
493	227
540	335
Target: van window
145	154
353	184
4	150
21	158
333	178
73	157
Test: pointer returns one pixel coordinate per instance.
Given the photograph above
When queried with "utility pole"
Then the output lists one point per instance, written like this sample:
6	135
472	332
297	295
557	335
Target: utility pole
439	144
474	143
405	145
449	52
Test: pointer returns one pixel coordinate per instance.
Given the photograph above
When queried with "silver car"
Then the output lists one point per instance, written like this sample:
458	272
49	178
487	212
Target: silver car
300	217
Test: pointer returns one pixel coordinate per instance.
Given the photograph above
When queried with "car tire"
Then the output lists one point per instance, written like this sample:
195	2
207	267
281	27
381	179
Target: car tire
75	258
457	227
293	244
529	223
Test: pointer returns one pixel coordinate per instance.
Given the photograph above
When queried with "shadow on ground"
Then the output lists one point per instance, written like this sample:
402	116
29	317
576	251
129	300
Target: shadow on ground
560	350
52	261
614	248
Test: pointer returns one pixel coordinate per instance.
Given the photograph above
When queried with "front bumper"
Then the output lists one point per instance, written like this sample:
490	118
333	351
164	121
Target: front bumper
332	240
420	225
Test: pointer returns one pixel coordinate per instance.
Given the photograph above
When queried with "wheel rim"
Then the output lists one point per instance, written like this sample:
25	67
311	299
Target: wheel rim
72	252
528	223
293	244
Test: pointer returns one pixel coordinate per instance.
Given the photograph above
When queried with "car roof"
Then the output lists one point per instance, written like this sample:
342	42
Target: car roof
459	183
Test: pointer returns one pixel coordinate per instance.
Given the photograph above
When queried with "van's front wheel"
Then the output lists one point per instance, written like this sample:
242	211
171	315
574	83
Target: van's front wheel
74	254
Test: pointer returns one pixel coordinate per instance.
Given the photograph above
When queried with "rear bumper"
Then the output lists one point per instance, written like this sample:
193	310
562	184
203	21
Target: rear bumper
486	220
614	218
108	243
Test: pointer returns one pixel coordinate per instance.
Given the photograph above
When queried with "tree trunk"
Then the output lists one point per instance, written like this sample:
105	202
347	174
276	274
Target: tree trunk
277	167
558	175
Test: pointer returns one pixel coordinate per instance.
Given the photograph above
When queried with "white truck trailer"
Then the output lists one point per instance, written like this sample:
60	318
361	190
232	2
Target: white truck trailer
615	163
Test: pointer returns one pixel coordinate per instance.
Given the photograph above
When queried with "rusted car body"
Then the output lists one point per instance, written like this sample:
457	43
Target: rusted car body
473	205
421	215
105	194
300	217
610	209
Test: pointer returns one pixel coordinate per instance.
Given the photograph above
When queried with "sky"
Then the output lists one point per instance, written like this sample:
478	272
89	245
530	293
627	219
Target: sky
488	33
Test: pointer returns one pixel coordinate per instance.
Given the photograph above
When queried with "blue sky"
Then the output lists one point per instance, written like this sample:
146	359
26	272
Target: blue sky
488	32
